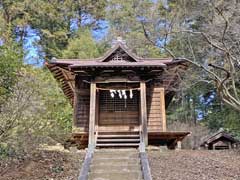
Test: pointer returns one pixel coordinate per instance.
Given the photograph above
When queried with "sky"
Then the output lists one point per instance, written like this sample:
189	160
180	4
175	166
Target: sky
31	49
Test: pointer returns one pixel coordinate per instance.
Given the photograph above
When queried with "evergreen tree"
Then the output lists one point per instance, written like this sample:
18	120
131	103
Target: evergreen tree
82	46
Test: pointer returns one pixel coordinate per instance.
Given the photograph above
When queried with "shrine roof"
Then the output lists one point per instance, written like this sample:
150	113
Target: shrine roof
218	135
120	57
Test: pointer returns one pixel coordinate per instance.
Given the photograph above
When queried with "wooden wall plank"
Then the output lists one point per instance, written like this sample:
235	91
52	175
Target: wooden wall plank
75	103
156	109
81	105
162	100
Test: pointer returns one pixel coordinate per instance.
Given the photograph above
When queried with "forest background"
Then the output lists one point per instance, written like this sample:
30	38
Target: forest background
33	108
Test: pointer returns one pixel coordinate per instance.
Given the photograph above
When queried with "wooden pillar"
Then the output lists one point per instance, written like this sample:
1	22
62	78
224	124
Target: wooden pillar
97	112
144	112
179	145
163	109
92	114
213	146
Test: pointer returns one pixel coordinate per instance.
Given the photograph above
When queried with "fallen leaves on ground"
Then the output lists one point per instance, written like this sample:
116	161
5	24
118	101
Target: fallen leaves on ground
195	165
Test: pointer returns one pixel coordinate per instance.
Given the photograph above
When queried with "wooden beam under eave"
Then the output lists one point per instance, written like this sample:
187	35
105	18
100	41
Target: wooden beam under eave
52	67
58	72
143	112
65	87
92	114
67	93
59	77
66	76
67	90
54	70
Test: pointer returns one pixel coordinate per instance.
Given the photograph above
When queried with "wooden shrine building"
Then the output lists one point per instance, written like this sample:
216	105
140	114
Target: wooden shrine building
120	99
219	141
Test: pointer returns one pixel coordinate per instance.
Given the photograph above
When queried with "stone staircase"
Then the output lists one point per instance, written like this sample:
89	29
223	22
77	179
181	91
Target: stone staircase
115	164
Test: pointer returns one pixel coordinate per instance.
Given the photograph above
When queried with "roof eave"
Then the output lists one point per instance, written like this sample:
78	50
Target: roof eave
72	67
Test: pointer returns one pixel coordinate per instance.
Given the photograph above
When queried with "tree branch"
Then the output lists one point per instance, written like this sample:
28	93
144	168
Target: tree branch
154	44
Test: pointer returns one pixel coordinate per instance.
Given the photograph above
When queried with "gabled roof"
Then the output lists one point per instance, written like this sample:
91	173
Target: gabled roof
118	47
220	134
117	57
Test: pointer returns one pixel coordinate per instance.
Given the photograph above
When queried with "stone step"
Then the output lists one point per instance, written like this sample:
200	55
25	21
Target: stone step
123	170
115	160
115	155
114	168
115	163
116	176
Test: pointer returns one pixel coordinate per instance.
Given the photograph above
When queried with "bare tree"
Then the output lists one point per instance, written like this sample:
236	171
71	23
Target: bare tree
218	32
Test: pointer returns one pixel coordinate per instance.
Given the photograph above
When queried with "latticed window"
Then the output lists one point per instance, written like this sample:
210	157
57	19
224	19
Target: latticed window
120	55
114	104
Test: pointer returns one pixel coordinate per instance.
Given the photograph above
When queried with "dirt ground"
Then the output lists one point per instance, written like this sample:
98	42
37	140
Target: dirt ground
59	164
195	165
50	164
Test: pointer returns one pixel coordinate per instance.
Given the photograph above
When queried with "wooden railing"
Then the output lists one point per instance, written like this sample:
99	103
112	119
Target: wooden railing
144	160
87	162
